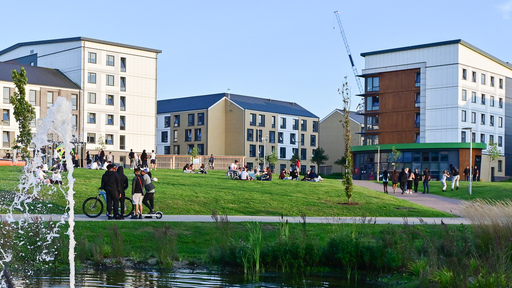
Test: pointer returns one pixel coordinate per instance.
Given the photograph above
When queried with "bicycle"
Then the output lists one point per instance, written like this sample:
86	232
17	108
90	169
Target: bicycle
93	206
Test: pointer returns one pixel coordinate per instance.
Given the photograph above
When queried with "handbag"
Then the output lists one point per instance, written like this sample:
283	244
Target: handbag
150	187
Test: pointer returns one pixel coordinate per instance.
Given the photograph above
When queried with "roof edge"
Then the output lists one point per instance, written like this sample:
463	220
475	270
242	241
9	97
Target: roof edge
449	42
411	146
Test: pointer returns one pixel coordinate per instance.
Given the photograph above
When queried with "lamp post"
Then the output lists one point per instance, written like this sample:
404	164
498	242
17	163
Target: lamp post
378	163
470	155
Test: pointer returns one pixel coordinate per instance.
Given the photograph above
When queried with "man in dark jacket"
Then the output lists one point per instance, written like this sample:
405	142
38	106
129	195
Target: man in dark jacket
402	177
111	184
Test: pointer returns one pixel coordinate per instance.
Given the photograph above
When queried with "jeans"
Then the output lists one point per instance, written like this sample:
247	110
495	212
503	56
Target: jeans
426	188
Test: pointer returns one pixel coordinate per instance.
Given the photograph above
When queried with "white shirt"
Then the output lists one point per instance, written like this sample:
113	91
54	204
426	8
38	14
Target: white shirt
94	166
109	158
243	175
153	156
56	177
233	166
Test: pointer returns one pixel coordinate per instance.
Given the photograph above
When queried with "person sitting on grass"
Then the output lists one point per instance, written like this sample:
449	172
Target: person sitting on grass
202	169
191	168
244	175
41	176
186	168
56	177
266	175
250	174
306	176
314	177
294	174
137	193
282	175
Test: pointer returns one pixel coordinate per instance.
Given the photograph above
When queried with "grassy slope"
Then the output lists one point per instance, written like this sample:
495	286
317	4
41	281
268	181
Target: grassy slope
189	194
481	190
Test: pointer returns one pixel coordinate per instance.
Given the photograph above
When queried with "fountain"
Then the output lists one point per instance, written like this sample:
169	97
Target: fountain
57	122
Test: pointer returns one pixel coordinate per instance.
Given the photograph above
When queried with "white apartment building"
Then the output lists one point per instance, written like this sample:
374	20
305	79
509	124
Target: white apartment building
118	84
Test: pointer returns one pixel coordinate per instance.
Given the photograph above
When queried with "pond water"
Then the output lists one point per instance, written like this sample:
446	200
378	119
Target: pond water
181	278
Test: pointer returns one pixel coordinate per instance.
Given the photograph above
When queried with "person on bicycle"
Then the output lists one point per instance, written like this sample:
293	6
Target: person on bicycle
150	191
137	193
110	183
124	185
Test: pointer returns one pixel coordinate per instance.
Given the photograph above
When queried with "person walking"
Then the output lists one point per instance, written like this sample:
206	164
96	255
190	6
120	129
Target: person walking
402	177
454	172
443	179
210	162
123	180
131	156
417	178
110	183
394	180
426	180
410	180
385	179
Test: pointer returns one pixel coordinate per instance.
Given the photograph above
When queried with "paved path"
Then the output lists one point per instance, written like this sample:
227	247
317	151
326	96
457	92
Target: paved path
441	203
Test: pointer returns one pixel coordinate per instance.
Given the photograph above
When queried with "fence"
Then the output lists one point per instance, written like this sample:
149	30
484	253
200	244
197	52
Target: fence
178	161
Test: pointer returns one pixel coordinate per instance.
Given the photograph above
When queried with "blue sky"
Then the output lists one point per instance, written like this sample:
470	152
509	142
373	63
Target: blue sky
287	50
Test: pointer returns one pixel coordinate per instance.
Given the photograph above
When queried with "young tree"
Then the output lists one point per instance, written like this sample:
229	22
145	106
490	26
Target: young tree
24	113
101	143
193	154
272	158
494	154
341	162
294	158
394	156
347	179
319	157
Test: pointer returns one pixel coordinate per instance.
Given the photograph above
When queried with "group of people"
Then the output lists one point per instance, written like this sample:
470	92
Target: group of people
142	160
189	168
407	179
247	174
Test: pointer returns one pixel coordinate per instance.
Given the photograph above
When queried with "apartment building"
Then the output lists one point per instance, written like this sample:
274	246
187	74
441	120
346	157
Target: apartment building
44	85
430	101
118	83
332	138
230	124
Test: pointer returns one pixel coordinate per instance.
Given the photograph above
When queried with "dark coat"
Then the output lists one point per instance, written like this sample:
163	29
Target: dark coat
110	183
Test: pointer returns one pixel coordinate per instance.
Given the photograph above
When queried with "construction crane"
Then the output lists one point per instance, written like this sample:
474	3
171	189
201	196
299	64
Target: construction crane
354	69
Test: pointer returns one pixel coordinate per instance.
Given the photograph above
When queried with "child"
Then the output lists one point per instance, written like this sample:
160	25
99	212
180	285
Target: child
56	177
443	179
137	193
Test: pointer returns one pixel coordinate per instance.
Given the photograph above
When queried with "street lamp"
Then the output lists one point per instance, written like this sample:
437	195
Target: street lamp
378	163
470	155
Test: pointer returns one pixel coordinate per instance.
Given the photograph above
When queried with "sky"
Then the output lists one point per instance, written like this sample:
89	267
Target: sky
285	50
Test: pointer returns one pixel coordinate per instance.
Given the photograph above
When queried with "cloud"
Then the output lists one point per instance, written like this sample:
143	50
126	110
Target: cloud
506	9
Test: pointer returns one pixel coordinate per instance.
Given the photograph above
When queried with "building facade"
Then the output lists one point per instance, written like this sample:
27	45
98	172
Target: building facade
447	93
44	85
118	83
229	124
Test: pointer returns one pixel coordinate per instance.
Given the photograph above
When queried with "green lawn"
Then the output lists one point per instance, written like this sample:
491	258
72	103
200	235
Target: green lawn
481	190
190	194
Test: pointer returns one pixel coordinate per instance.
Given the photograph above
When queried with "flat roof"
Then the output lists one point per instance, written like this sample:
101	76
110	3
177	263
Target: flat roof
71	39
418	146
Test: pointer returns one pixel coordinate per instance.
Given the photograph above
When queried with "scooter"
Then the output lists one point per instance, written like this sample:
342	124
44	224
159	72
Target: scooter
156	215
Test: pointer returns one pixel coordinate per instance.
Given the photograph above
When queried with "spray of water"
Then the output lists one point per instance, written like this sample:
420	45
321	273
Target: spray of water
31	190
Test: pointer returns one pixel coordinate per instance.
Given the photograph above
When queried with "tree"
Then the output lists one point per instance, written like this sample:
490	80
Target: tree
394	156
294	159
193	153
341	162
347	179
24	113
319	157
272	158
101	143
494	154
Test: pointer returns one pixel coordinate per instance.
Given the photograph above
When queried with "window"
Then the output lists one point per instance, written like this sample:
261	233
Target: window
110	100
91	138
295	151
272	136
418	79
491	139
123	65
417	120
491	120
74	101
500	103
283	123
250	135
463	136
372	139
188	135
483	79
32	97
313	140
109	139
463	116
49	99
473	137
293	139
483	99
372	103
167	121
91	98
176	149
200	119
372	84
121	142
191	119
315	126
416	137
500	165
122	103
302	136
500	141
464	95
110	119
252	150
252	119
372	122
473	117
197	134
303	125
473	97
482	119
190	148
482	138
200	149
501	83
74	121
473	79
110	60
165	136
91	77
261	120
6	117
7	141
259	134
295	125
167	150
417	100
110	80
91	118
175	136
464	74
303	153
7	95
491	101
122	84
492	81
500	122
280	139
282	153
92	58
122	122
261	149
273	121
176	120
